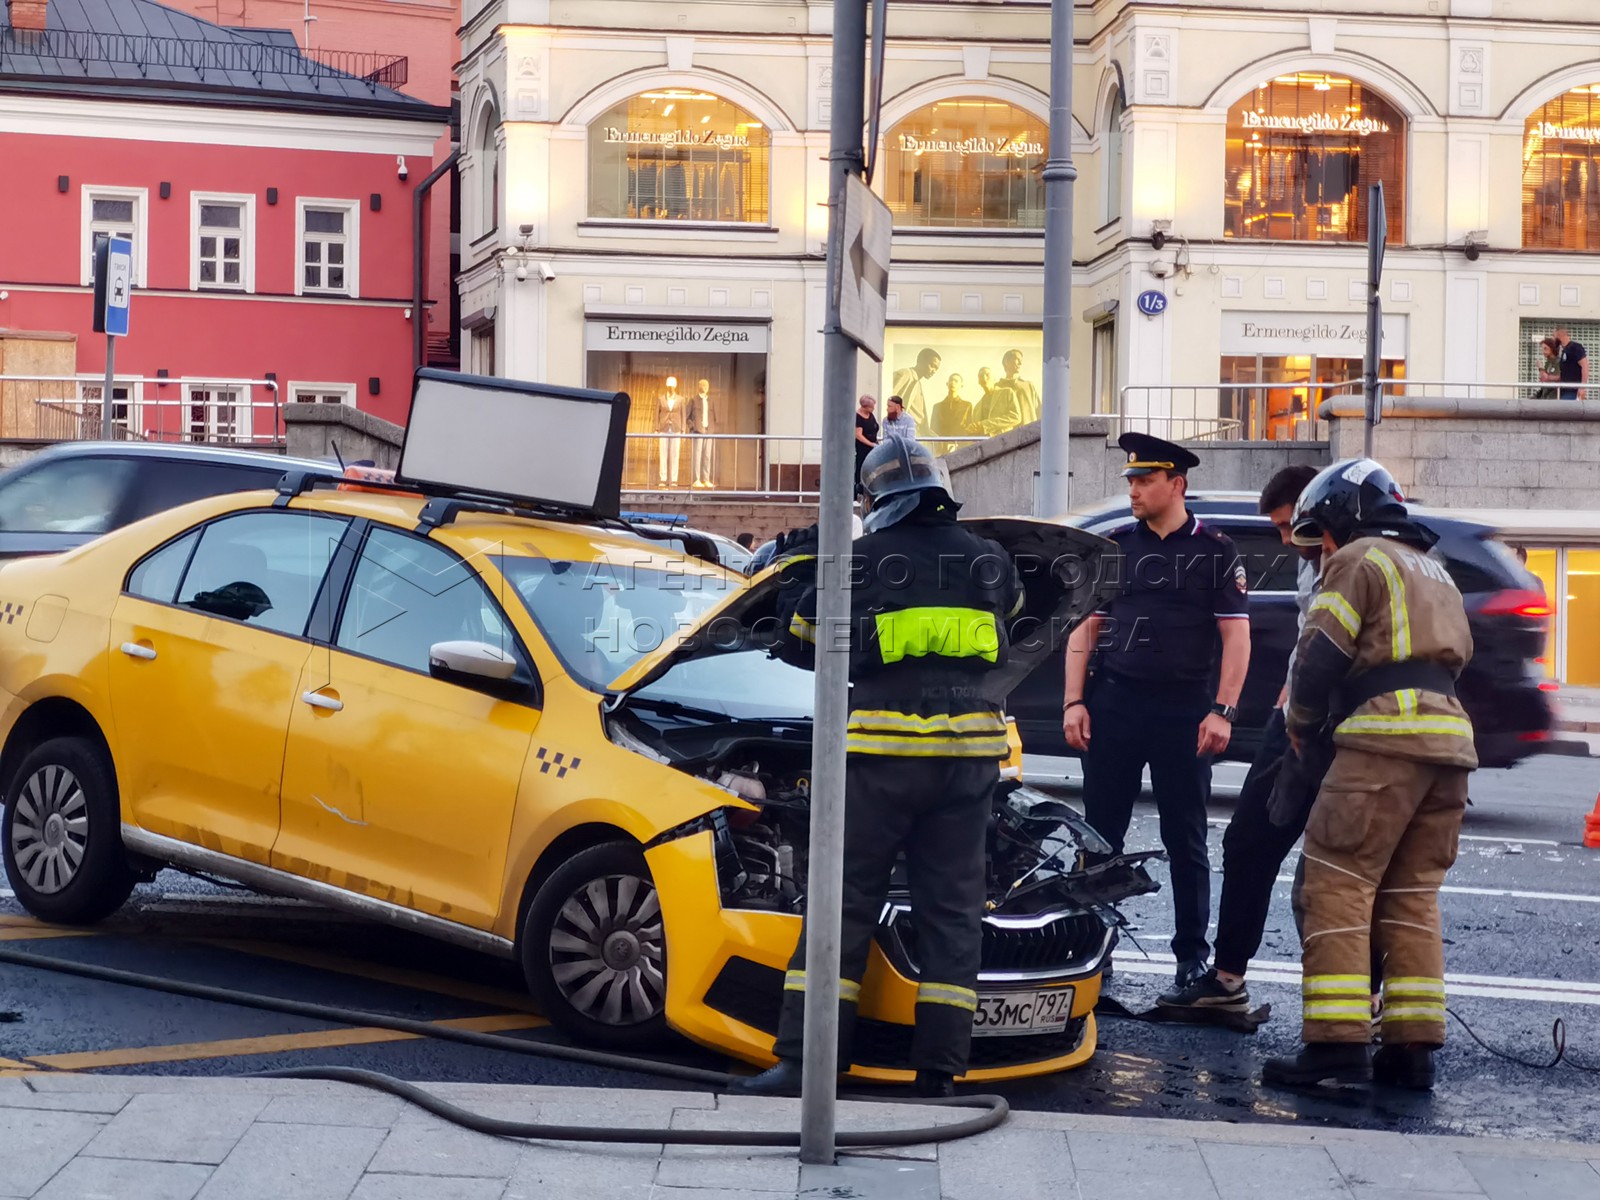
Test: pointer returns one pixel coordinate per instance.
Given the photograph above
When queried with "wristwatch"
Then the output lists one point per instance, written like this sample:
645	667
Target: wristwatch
1227	712
1072	704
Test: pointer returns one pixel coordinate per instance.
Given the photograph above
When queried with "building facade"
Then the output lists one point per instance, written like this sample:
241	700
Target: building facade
644	207
267	194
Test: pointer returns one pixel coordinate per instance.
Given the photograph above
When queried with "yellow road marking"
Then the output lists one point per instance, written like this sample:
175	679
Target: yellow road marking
420	980
11	1064
27	929
135	1056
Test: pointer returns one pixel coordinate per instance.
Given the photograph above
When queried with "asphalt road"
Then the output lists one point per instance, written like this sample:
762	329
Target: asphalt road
1522	916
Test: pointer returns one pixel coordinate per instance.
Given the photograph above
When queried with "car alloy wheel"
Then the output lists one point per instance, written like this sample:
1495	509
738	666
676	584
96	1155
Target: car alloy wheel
50	832
607	950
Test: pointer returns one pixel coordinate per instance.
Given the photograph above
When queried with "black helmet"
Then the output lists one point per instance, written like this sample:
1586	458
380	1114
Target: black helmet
895	474
1354	495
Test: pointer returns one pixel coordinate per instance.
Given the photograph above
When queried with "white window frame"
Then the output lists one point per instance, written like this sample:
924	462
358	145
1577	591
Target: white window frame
247	239
90	391
352	240
240	433
345	391
88	194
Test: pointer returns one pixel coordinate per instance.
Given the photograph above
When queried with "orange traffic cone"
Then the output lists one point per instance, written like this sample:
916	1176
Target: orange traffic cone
1591	827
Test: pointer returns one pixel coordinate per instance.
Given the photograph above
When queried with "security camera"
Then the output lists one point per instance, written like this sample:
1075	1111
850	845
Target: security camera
546	272
400	162
1158	233
1161	268
525	230
522	274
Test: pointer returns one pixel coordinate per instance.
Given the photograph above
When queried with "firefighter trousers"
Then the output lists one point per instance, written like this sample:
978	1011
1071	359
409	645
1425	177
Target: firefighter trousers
937	810
1381	836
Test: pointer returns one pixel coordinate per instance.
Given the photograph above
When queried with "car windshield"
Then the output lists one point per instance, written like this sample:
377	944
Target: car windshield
743	684
602	618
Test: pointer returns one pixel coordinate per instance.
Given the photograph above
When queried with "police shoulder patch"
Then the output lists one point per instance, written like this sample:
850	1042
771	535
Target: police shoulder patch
1240	581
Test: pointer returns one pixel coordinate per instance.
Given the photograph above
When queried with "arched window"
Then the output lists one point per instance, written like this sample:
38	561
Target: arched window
489	171
970	162
1561	173
679	155
1112	191
1303	150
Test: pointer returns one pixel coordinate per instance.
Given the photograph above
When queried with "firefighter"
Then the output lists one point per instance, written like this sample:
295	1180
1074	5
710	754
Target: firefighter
1383	645
929	602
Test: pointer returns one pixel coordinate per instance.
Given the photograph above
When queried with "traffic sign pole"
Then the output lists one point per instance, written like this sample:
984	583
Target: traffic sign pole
1052	492
113	291
1377	242
105	393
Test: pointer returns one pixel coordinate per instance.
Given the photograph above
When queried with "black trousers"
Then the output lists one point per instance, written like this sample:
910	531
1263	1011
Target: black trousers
1132	726
937	810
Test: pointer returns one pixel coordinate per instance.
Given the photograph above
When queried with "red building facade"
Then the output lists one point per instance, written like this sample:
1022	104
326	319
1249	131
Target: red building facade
268	196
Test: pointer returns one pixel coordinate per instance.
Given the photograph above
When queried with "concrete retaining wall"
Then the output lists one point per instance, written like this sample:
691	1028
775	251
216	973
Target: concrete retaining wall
316	430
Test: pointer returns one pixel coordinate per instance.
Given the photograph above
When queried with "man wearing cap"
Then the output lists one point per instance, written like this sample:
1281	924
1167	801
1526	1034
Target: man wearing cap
1170	656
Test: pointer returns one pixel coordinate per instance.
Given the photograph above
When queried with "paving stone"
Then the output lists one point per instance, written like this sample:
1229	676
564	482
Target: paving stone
1022	1162
1401	1167
1381	1193
1274	1172
35	1145
428	1187
196	1127
449	1150
696	1193
1166	1167
729	1167
594	1172
109	1103
500	1108
1124	1184
126	1179
881	1179
1505	1178
308	1162
368	1111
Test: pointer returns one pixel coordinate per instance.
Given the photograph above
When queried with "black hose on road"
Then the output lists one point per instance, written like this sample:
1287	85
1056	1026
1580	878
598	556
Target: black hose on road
995	1108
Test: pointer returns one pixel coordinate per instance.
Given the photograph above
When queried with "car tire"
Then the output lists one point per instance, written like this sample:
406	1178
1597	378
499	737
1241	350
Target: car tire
594	949
62	834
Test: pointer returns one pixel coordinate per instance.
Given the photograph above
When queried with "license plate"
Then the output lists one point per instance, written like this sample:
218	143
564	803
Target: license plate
1007	1014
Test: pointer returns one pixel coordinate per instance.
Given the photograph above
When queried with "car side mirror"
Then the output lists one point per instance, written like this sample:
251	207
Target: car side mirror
476	665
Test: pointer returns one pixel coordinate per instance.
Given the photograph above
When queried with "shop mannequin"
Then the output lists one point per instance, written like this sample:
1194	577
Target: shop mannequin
671	411
701	448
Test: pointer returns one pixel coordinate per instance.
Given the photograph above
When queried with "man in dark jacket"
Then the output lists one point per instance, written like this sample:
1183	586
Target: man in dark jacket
929	602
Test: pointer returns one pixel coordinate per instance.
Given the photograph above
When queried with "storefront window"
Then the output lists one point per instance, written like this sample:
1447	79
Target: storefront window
677	155
1542	564
1289	389
1582	619
693	386
1302	151
962	383
968	163
1561	173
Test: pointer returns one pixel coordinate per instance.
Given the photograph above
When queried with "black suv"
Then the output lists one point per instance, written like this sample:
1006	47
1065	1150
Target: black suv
1506	605
73	492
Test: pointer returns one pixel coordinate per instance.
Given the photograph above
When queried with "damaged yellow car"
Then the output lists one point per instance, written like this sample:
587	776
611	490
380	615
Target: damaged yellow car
547	739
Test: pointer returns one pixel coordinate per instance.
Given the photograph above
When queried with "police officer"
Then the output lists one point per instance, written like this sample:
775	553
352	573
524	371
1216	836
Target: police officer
929	602
1151	701
1384	643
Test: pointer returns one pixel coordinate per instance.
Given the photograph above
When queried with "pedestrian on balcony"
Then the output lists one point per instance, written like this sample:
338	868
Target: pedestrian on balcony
899	423
1574	366
1550	369
1170	652
866	433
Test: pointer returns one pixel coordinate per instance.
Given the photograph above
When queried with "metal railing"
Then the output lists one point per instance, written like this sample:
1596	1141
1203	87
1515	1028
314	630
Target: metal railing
758	466
146	52
64	408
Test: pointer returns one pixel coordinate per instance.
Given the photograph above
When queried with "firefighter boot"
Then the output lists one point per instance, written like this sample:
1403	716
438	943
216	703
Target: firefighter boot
1404	1065
781	1080
1341	1062
935	1084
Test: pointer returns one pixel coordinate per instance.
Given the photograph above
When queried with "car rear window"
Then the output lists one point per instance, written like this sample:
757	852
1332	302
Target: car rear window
167	483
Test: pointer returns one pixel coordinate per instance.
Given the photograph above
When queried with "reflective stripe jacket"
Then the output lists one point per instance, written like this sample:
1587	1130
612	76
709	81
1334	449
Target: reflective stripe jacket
1381	602
929	602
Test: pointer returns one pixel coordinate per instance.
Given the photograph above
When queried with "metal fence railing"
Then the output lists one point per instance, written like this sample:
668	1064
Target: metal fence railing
57	408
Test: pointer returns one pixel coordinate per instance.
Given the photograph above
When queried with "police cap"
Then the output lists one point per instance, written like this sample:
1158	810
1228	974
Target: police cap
1147	453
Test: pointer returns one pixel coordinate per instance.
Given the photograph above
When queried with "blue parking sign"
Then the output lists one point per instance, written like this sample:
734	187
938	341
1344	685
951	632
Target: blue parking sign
118	285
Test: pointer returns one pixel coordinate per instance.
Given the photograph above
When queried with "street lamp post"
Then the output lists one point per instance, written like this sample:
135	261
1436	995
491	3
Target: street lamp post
1052	495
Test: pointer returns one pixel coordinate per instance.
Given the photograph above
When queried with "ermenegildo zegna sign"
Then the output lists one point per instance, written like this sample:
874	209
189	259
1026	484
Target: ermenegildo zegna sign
910	143
1327	335
676	137
679	337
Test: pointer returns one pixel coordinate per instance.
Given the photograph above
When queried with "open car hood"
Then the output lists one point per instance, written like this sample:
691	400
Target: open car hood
1066	574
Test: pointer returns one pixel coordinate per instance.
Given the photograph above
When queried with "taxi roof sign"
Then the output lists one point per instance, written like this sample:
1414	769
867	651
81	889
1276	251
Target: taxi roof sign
522	442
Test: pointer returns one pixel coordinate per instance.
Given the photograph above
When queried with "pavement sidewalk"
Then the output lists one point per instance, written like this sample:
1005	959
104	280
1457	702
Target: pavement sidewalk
124	1137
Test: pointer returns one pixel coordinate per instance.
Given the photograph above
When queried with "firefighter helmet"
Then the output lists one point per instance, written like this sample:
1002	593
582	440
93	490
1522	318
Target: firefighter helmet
895	475
1355	494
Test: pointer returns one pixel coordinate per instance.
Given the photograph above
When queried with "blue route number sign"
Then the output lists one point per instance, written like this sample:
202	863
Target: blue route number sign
1152	303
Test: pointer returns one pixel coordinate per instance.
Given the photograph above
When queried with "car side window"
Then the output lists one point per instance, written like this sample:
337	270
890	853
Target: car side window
262	568
69	495
158	575
167	483
1269	565
408	594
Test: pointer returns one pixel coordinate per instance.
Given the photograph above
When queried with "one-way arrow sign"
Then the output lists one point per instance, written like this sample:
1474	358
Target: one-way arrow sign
864	267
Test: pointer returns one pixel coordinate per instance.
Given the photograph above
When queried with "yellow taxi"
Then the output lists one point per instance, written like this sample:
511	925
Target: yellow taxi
533	733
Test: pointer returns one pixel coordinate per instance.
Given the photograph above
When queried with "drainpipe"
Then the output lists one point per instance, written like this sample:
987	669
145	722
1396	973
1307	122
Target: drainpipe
418	288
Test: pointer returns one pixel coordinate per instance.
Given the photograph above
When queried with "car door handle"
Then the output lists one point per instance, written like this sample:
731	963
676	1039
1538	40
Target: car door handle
318	700
134	650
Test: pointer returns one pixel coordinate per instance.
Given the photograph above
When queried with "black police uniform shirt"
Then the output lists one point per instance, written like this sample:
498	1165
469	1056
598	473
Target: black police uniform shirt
1162	627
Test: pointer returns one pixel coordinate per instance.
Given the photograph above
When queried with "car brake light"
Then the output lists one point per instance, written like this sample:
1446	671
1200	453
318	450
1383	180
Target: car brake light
1547	686
1533	736
1517	603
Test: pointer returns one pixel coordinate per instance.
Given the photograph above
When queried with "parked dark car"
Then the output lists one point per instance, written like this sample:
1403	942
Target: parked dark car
1509	614
73	492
